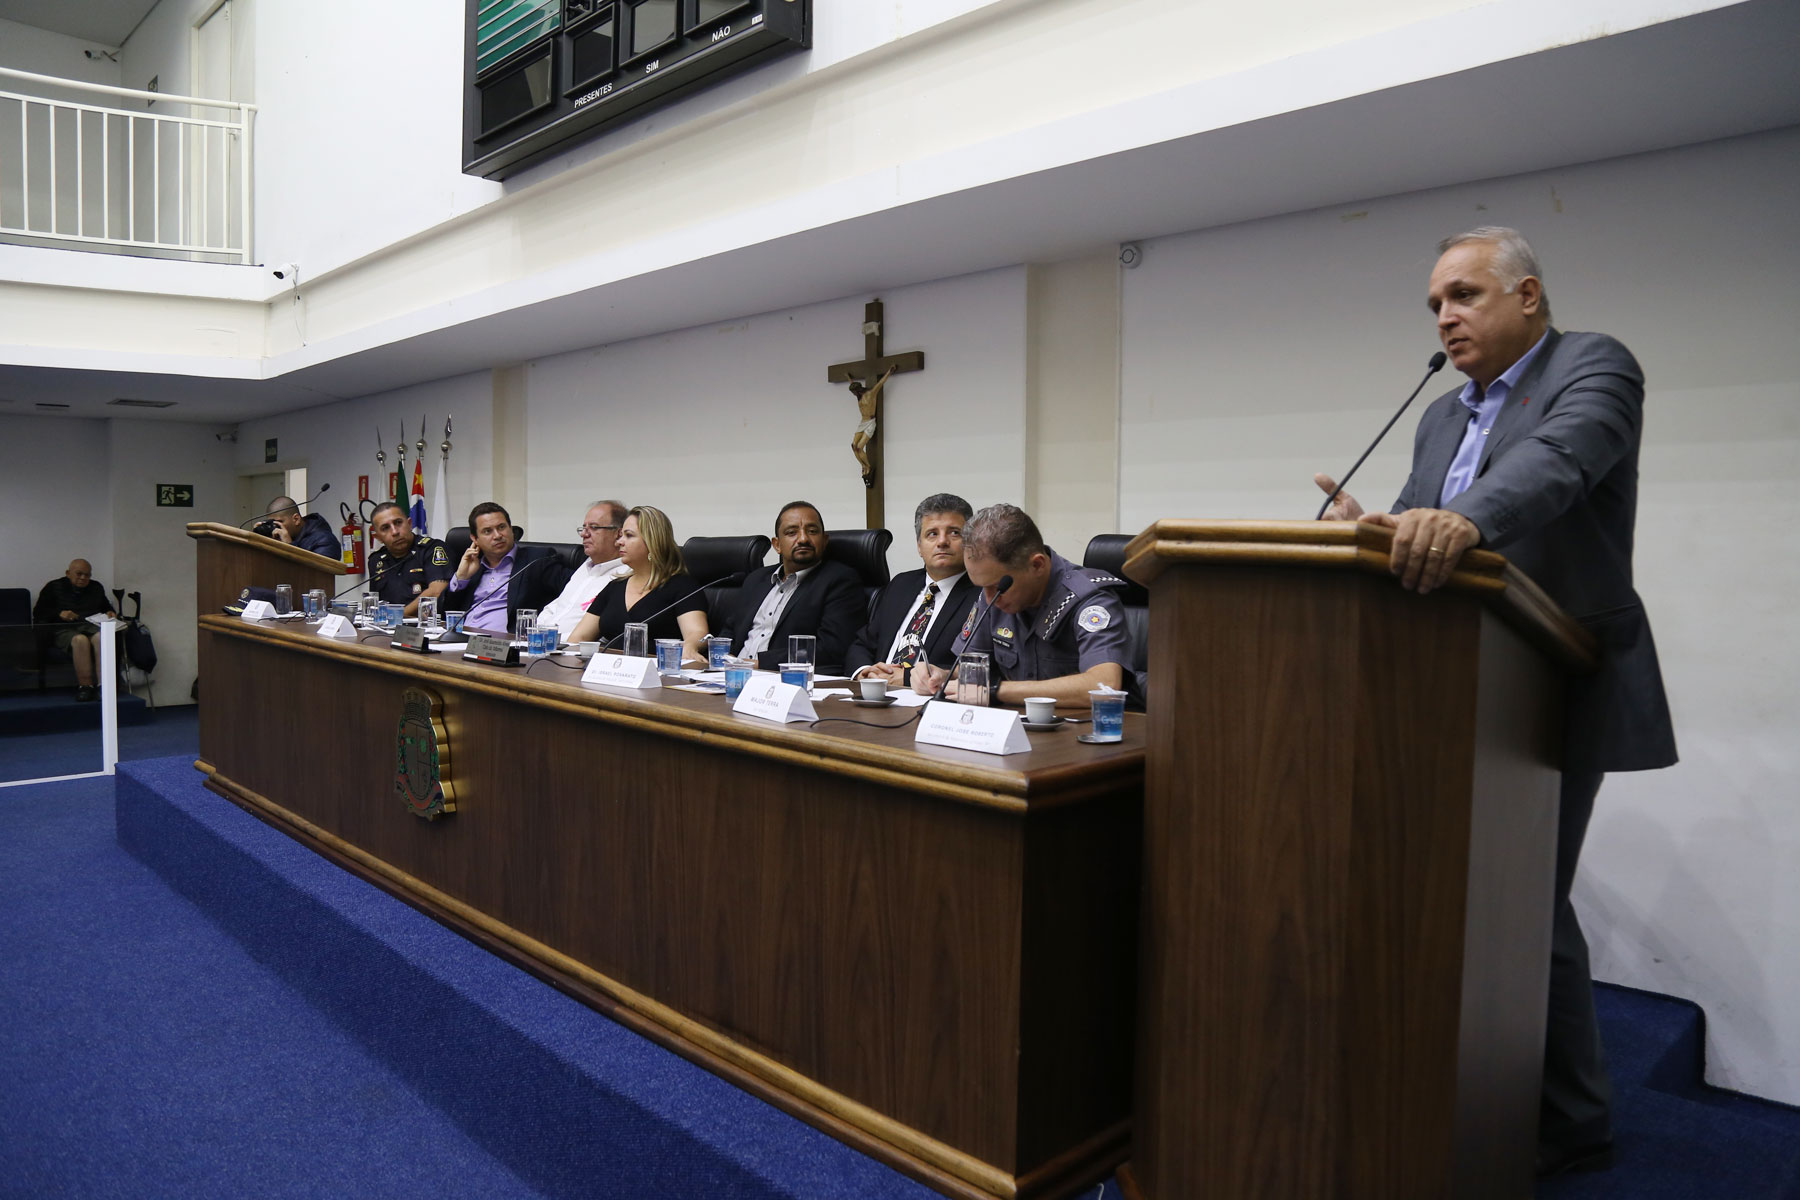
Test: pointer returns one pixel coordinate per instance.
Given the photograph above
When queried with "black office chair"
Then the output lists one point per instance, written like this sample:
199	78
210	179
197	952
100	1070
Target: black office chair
865	552
1106	552
716	560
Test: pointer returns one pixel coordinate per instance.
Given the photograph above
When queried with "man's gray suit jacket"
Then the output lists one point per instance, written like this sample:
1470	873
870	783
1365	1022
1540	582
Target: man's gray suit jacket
1556	492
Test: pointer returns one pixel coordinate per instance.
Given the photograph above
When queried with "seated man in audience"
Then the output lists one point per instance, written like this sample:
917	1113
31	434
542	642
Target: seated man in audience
599	533
311	532
497	577
803	594
409	566
918	616
73	598
1058	630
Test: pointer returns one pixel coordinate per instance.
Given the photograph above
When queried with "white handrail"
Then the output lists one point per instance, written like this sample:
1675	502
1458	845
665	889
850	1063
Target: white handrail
106	89
208	197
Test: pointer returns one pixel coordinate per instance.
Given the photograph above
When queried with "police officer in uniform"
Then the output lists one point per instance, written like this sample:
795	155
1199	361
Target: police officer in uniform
408	566
1057	631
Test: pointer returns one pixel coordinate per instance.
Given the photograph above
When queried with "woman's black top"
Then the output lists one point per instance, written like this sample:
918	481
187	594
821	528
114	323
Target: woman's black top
609	606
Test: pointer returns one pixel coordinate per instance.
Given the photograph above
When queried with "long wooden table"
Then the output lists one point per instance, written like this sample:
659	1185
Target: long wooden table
927	953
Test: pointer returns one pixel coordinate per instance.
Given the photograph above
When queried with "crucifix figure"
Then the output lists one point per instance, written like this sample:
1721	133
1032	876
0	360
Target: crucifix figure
867	379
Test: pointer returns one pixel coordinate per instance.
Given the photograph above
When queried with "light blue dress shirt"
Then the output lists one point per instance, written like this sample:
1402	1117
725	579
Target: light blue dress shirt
1483	411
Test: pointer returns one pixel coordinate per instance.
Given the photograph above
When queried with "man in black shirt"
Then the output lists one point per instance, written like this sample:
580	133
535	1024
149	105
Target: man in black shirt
68	602
311	532
409	566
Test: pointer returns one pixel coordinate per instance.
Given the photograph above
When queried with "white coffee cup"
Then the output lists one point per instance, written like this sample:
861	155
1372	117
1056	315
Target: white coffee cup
872	689
586	649
1040	710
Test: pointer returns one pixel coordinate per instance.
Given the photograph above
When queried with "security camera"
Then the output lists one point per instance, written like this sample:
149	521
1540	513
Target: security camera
288	273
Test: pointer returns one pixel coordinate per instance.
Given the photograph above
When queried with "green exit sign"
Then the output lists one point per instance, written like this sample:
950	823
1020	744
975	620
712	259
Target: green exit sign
174	495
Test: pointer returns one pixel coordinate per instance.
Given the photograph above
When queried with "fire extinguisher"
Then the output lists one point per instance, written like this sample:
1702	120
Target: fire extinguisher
350	535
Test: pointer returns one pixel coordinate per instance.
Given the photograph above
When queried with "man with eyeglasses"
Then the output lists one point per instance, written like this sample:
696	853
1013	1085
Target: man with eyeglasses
599	534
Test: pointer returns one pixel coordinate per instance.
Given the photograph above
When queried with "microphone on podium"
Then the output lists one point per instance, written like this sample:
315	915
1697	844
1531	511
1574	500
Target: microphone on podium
1432	368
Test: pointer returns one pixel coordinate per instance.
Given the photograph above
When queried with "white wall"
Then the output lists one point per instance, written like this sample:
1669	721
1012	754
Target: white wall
720	426
151	550
1256	354
54	482
336	443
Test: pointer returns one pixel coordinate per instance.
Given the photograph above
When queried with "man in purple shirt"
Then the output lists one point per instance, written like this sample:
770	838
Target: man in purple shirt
497	576
1537	457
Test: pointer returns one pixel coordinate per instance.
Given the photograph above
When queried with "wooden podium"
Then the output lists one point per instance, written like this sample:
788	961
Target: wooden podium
1349	830
229	559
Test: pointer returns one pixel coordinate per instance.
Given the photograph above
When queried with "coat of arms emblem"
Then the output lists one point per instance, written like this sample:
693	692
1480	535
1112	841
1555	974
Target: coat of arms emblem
422	773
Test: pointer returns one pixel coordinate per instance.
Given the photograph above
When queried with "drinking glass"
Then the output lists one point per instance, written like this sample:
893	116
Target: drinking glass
972	678
637	640
798	674
1109	715
668	656
284	599
804	648
365	607
539	640
313	603
526	618
737	674
718	649
428	613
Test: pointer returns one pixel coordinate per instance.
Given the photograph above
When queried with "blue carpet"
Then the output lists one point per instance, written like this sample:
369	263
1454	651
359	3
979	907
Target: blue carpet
162	732
57	710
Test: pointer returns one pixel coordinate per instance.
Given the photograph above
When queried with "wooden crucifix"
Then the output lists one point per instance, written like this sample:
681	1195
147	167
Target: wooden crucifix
867	378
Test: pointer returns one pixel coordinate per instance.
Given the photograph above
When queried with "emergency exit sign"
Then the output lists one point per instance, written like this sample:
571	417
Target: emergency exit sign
174	495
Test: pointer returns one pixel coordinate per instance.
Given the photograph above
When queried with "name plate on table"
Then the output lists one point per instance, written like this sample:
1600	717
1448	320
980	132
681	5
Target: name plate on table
972	727
411	637
337	626
259	610
773	700
622	670
486	648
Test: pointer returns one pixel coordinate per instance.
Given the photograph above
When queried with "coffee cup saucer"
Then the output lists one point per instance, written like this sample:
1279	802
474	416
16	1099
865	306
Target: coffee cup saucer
1054	722
881	703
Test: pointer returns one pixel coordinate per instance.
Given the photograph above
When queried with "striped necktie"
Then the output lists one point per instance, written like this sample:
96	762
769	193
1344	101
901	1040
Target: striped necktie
915	632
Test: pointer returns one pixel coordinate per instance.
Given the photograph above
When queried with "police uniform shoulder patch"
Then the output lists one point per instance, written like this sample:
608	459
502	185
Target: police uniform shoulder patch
440	555
1094	618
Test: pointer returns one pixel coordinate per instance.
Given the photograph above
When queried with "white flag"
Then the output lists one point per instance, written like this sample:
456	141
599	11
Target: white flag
440	501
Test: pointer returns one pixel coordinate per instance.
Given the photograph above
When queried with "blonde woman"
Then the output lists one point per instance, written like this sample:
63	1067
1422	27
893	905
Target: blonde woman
658	591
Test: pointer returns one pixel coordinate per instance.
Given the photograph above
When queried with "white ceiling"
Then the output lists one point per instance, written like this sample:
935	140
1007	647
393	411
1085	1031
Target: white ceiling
108	22
1719	74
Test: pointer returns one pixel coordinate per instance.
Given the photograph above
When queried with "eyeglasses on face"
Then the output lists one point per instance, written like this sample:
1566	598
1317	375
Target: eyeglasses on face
579	529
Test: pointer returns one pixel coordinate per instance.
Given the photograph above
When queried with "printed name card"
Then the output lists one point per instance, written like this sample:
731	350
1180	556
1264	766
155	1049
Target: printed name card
972	727
622	670
337	626
767	697
486	648
259	610
410	637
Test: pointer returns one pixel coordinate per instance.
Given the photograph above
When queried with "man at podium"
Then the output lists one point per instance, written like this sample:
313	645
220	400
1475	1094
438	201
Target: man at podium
1536	457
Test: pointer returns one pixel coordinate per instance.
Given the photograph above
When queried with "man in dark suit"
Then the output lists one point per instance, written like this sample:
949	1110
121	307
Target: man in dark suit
1536	457
497	576
803	594
918	615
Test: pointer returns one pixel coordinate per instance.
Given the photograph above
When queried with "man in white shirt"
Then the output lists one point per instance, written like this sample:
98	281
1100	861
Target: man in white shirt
917	616
599	533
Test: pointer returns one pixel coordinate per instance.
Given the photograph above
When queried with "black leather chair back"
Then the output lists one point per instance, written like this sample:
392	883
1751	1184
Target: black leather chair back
865	552
709	559
15	606
1106	552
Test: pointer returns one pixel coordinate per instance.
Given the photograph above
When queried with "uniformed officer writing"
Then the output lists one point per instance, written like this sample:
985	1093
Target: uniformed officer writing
1058	631
408	566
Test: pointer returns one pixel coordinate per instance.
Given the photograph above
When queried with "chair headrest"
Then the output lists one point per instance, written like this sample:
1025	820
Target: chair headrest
710	559
1106	552
457	539
863	551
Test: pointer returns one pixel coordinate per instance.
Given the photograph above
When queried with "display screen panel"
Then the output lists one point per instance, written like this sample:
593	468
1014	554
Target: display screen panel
592	49
516	93
504	27
652	24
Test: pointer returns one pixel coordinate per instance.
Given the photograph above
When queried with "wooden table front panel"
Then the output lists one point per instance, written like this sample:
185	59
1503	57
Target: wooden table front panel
891	945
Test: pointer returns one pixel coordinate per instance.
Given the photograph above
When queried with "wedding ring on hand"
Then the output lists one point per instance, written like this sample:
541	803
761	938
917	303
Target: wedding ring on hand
1437	550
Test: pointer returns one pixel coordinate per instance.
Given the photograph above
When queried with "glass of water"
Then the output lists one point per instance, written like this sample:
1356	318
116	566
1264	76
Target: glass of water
718	651
524	620
428	613
737	674
637	640
284	599
313	604
1109	715
972	678
668	656
540	640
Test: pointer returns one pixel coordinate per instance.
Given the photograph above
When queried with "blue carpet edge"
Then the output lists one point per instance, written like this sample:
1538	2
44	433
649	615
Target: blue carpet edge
568	1099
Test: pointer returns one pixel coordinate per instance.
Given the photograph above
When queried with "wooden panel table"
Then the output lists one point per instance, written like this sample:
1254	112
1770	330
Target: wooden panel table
229	559
927	953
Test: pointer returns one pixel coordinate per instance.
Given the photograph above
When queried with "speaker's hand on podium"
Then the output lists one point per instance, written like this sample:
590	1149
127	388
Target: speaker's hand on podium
1428	543
1345	507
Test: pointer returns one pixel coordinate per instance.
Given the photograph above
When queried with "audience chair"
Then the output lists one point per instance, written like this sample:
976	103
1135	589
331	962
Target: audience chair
1106	552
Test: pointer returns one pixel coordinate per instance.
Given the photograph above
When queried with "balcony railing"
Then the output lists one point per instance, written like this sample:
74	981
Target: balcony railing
92	176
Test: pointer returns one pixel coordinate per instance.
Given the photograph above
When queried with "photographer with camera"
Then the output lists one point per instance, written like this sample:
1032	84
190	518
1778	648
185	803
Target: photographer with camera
283	522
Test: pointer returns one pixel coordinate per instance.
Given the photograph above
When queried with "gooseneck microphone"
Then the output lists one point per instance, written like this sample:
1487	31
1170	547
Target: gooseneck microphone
733	580
1006	581
323	488
1432	368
